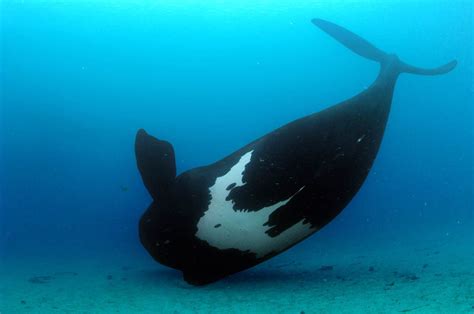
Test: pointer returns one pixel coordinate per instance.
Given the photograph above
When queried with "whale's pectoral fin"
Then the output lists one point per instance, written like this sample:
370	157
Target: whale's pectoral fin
156	163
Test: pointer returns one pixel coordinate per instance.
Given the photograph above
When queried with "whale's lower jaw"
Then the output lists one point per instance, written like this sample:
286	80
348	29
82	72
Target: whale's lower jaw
208	274
228	264
203	277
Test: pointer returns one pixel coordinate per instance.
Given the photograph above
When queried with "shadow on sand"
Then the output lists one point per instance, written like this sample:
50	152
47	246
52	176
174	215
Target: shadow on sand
259	276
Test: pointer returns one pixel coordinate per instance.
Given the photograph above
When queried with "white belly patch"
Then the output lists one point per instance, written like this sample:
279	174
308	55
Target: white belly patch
224	228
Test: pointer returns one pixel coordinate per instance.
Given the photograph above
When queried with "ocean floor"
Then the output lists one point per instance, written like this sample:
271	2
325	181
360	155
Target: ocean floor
432	275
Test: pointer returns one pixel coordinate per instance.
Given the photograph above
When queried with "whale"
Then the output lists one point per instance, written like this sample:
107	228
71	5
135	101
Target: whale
216	220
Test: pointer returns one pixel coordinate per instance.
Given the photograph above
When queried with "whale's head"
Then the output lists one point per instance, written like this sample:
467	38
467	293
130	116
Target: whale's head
161	234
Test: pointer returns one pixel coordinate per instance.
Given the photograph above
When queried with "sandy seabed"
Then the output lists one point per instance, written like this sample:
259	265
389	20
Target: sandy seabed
432	275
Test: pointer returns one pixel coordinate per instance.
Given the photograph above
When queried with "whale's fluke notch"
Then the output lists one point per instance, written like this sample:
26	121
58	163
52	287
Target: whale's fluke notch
156	163
367	50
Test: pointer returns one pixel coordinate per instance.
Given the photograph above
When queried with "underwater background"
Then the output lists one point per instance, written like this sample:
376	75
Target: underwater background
79	78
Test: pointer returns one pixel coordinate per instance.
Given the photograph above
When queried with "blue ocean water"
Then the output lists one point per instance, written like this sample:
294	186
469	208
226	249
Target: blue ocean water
78	78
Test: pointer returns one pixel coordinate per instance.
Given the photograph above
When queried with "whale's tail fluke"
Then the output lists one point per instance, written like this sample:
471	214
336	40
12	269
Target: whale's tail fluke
365	49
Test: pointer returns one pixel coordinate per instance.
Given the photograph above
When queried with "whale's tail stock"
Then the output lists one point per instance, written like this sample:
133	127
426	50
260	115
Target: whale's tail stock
365	49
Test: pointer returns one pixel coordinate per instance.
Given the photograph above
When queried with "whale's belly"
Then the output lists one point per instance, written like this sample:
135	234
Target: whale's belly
225	227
